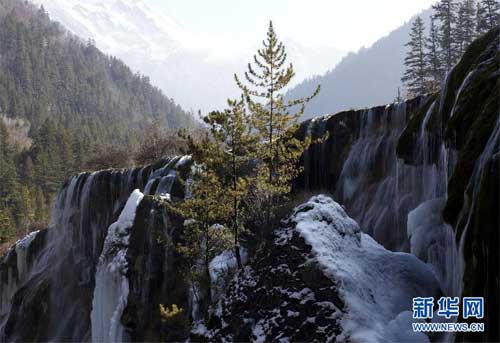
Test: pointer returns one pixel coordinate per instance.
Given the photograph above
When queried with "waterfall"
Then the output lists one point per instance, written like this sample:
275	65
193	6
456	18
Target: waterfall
63	267
398	204
433	241
371	182
17	255
112	287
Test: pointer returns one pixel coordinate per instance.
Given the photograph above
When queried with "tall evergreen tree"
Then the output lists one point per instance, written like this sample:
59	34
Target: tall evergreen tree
8	173
41	206
415	76
7	225
465	30
205	210
491	13
445	11
26	208
481	21
231	129
433	58
273	119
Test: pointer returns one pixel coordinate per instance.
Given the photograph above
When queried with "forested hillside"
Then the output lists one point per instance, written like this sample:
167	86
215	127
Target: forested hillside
433	52
62	104
366	78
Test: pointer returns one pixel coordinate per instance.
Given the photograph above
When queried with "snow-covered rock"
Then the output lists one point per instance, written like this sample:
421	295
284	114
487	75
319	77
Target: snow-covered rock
322	279
376	285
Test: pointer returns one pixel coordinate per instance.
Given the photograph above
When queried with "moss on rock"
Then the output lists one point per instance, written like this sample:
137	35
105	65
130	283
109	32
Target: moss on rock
480	118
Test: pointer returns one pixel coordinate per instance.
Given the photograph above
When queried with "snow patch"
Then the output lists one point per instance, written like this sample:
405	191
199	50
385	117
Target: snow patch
24	242
221	268
258	333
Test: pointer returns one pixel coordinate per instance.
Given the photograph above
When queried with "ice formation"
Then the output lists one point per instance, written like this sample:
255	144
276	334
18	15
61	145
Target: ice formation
111	285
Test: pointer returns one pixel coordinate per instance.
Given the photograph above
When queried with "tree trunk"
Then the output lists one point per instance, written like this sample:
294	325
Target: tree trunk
207	264
235	215
271	165
209	287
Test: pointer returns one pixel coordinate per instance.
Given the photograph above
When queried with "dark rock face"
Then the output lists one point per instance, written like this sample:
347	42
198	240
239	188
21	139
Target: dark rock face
322	280
282	292
153	273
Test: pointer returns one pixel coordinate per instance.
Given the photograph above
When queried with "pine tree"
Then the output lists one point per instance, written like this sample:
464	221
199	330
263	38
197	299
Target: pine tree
415	76
232	130
41	206
205	210
491	13
272	118
75	99
433	58
26	208
7	225
446	14
481	21
465	30
28	172
8	172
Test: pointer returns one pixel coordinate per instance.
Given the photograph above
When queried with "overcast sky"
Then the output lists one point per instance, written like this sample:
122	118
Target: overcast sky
344	24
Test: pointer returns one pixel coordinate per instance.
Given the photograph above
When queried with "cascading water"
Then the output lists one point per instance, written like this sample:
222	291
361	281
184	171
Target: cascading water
398	204
15	270
358	163
368	183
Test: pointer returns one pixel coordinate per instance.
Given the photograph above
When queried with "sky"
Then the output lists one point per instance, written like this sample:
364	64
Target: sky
344	24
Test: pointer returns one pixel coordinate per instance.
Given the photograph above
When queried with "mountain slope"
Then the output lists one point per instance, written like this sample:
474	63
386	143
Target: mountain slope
48	73
367	78
194	68
61	102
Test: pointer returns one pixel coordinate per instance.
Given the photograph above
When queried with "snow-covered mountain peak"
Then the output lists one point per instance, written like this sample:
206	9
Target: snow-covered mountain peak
193	67
120	26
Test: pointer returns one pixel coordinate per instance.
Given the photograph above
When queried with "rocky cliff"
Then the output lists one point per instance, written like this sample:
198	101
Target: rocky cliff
433	156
